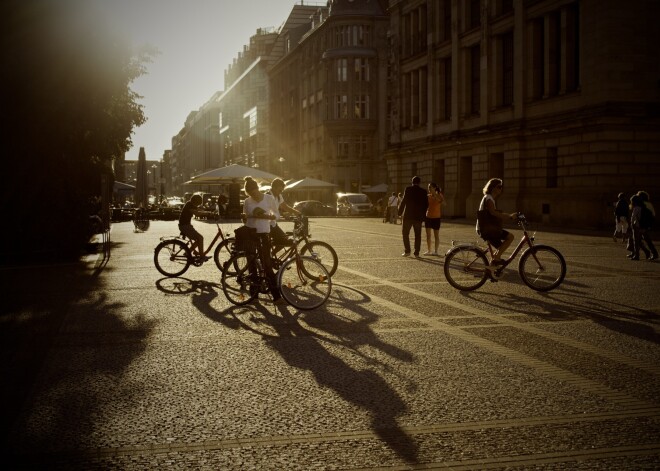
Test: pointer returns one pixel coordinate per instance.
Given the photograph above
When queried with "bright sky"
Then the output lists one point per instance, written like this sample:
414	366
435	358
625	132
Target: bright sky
197	40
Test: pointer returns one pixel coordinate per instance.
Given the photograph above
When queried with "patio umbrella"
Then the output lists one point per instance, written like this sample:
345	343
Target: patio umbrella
230	173
123	188
309	184
382	188
141	187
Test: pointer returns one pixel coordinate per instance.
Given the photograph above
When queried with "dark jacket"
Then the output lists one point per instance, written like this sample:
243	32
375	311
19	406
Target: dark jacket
414	203
621	209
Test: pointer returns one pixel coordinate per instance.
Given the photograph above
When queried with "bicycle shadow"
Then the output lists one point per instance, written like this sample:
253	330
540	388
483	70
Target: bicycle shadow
305	348
565	306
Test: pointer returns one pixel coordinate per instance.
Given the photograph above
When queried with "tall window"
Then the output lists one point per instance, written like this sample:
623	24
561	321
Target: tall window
507	69
554	53
341	106
362	106
552	162
342	147
361	147
496	165
475	79
341	68
362	70
474	14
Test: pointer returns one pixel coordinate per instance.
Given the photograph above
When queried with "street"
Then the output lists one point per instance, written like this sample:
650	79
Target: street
117	367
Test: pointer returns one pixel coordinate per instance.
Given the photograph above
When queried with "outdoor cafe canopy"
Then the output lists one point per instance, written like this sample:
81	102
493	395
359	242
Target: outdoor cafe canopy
229	174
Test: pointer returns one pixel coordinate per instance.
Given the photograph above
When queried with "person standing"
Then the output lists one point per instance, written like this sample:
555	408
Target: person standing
258	211
621	215
412	209
392	208
277	235
432	220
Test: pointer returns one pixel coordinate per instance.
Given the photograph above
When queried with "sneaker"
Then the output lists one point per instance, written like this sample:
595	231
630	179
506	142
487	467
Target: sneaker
405	254
435	254
428	253
416	255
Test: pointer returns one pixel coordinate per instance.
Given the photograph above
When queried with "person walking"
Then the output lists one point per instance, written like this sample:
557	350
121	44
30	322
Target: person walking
646	222
621	216
412	209
392	208
432	220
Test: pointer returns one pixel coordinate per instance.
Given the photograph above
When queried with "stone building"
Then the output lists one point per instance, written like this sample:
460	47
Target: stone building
328	95
560	98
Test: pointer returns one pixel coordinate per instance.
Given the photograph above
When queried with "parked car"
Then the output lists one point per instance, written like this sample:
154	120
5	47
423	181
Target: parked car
354	204
314	208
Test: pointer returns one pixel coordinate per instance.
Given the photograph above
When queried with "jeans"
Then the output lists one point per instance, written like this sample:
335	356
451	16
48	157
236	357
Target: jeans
405	231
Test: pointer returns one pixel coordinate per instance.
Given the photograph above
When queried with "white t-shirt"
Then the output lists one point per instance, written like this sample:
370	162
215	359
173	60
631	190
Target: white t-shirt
268	204
393	201
278	201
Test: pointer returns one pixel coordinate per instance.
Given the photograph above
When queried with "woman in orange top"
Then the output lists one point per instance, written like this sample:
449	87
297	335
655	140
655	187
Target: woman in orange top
433	215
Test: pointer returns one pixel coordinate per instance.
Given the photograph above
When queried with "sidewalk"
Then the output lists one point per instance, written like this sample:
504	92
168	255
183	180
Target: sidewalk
108	365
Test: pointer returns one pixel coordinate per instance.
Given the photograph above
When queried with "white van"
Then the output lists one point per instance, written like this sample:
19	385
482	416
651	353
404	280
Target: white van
354	204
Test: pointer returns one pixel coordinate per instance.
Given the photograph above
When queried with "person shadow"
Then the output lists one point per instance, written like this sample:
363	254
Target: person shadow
363	388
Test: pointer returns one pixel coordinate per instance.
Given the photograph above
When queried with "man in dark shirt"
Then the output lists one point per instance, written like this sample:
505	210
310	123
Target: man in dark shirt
186	227
413	209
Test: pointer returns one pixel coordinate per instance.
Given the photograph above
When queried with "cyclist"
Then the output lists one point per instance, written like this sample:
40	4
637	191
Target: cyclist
185	225
489	220
258	211
277	235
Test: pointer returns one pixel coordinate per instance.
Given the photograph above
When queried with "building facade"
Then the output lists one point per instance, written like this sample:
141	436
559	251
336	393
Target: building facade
560	98
328	96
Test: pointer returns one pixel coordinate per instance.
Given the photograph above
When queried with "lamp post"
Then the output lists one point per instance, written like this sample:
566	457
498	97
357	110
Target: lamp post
282	159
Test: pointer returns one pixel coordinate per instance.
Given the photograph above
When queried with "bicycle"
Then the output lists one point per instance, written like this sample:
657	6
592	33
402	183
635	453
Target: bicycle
302	280
322	251
541	267
173	256
141	220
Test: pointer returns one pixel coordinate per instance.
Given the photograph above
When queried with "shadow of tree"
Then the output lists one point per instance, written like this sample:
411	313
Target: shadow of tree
53	323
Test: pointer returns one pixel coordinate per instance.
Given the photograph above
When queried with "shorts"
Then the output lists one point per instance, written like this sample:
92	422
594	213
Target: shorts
189	231
432	223
497	241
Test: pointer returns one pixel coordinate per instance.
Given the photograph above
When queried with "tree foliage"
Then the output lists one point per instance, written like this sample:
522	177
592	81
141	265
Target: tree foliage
68	112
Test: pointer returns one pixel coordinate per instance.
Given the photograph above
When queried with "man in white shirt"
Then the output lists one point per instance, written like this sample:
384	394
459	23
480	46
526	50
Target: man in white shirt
277	234
392	206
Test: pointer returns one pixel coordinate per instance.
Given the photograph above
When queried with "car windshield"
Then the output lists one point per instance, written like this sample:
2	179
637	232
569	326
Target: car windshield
358	198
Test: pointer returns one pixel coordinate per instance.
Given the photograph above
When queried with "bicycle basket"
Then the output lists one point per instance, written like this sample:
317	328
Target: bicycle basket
246	239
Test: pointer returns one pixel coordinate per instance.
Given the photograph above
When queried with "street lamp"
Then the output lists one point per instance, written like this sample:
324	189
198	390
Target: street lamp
282	159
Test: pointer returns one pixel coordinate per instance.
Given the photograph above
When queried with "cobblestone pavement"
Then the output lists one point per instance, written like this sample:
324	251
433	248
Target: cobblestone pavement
111	366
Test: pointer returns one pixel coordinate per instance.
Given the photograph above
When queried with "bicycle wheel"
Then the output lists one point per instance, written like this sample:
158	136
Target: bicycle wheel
542	268
223	252
324	253
240	283
304	282
465	268
172	257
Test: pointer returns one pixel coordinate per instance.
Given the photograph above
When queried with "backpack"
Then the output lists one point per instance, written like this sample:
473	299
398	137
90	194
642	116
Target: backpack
646	218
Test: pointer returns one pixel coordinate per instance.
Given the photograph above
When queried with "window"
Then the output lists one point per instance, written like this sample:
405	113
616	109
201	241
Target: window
361	147
362	70
251	116
506	41
362	106
342	147
551	164
496	165
341	106
474	14
341	68
475	79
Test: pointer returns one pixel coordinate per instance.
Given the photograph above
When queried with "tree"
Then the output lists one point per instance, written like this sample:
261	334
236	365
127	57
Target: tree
68	113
